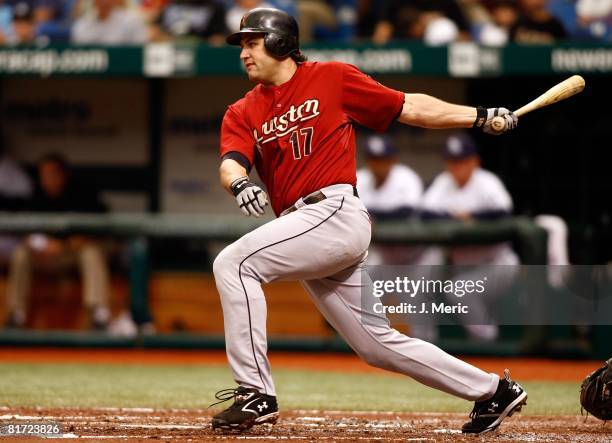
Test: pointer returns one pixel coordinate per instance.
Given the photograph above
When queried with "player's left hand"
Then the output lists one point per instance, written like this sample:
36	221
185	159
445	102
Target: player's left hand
483	121
251	199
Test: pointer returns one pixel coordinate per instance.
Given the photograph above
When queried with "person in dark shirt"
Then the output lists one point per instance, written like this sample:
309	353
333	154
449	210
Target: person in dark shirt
58	192
536	25
408	19
185	19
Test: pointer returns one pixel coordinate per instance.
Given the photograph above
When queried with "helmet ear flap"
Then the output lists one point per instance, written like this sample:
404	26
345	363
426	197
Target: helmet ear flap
276	45
280	45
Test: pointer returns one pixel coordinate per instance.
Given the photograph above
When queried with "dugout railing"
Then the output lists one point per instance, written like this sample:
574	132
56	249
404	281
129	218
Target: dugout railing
137	230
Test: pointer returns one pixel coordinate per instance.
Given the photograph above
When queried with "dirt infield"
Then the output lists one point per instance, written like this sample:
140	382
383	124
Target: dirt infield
133	424
522	368
111	424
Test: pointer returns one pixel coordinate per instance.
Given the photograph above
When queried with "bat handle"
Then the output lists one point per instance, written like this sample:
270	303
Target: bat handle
498	124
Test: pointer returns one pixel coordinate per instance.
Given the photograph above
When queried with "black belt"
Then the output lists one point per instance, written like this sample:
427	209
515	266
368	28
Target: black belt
311	200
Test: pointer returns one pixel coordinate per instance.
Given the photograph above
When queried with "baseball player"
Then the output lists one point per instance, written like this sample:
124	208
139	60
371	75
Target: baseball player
390	191
296	126
467	192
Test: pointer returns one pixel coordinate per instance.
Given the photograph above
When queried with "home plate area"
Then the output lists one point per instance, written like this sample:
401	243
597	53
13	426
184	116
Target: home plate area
123	424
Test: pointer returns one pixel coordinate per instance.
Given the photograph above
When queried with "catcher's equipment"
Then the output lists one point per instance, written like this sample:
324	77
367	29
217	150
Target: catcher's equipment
250	198
485	116
596	392
281	34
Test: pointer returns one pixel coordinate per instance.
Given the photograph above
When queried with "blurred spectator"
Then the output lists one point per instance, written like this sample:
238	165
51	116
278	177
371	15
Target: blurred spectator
54	19
437	21
466	192
536	25
238	9
504	14
40	21
58	192
288	6
192	19
6	18
565	11
7	31
474	11
313	14
439	30
593	9
24	27
367	18
15	189
109	23
596	17
390	191
151	9
15	184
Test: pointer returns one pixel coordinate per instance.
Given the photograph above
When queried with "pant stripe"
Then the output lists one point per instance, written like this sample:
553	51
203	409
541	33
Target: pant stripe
244	288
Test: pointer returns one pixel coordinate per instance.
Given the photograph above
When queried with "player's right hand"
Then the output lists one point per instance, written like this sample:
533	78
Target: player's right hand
485	119
251	199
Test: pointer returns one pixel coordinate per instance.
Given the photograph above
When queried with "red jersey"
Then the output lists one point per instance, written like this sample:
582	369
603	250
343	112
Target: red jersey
300	135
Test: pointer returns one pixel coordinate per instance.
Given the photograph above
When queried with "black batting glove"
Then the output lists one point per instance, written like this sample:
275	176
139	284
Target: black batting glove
484	118
250	198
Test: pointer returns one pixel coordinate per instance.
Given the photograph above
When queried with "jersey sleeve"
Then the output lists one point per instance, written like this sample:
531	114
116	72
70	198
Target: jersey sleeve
368	102
236	135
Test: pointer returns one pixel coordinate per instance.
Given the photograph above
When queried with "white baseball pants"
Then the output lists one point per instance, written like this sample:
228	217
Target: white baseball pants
324	245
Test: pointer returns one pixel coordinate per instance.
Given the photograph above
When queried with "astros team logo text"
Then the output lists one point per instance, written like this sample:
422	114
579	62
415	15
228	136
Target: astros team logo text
279	126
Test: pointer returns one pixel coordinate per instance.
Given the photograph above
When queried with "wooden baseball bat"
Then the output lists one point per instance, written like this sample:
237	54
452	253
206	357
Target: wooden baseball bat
561	91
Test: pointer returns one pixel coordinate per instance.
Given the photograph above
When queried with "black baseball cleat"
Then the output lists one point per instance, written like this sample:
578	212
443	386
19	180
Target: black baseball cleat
487	415
250	408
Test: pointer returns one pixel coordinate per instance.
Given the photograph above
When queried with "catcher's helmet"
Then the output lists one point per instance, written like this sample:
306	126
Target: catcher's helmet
281	34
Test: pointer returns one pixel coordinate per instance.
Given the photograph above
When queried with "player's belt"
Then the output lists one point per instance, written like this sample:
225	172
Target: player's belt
311	200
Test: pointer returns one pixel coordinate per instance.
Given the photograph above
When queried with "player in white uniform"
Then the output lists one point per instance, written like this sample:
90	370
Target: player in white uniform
390	191
467	192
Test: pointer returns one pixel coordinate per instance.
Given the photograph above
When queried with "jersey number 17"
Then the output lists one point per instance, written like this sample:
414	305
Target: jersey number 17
295	142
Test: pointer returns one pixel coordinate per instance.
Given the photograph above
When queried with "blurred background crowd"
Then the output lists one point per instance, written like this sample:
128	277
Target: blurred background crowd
436	22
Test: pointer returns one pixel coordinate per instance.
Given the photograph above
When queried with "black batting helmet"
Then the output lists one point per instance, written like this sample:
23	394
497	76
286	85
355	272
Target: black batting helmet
281	34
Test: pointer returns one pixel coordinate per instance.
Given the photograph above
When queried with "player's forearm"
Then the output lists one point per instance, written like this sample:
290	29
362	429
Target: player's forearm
429	112
229	171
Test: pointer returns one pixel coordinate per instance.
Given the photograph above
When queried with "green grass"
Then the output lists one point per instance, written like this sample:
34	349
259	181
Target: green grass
193	386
